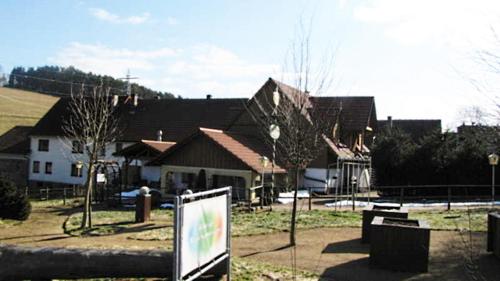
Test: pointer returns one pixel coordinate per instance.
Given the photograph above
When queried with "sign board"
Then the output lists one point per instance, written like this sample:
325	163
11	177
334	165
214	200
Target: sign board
101	178
202	232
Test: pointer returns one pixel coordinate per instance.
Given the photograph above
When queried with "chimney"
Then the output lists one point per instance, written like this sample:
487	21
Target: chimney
136	100
159	135
389	121
209	97
115	100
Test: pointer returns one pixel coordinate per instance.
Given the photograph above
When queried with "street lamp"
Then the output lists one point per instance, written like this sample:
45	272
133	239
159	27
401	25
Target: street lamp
274	133
263	161
493	159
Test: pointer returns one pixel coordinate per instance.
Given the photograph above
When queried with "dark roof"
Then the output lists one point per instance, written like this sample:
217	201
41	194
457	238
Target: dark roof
177	118
356	112
16	140
247	149
416	128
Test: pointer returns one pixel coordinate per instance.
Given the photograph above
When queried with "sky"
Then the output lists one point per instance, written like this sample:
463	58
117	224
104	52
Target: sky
420	59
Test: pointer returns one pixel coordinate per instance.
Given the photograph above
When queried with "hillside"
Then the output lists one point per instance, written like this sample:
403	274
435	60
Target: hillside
18	107
57	81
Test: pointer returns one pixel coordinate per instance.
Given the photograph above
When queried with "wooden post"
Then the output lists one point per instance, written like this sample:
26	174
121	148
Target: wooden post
64	195
21	263
401	196
353	199
449	198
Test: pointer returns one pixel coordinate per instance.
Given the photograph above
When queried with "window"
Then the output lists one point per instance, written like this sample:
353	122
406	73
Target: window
75	172
48	168
77	147
102	151
118	146
188	180
36	167
43	145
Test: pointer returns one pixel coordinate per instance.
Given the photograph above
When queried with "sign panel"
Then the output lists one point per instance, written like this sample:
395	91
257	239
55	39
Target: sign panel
101	178
203	232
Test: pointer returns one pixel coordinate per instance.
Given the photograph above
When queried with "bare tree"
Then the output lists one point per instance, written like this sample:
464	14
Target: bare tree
90	126
303	122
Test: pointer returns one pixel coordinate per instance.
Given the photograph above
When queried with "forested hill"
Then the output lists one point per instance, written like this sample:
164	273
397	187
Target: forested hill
60	81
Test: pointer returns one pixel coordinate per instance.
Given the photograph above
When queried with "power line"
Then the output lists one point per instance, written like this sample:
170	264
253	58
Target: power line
71	83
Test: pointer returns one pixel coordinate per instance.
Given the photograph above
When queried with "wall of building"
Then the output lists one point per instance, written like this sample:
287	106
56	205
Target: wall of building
59	153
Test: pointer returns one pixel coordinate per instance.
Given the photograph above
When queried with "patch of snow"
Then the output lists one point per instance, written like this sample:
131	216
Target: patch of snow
130	194
287	197
430	204
167	206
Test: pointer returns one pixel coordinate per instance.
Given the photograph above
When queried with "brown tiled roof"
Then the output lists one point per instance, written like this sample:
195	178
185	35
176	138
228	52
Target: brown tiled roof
154	148
416	128
177	118
244	148
16	140
339	149
160	146
247	149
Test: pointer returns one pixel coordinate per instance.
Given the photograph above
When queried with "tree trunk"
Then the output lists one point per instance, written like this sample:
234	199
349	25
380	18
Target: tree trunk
86	219
294	209
21	263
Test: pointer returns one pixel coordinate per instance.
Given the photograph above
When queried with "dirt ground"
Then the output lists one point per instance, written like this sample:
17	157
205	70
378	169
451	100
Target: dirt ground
333	253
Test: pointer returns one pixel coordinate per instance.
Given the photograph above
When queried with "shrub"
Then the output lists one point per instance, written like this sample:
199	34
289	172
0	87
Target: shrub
13	205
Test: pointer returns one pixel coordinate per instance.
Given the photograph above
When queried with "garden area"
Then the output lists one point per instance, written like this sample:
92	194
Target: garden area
328	242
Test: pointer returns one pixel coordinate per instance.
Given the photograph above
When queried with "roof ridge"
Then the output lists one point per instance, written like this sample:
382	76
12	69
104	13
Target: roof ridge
211	130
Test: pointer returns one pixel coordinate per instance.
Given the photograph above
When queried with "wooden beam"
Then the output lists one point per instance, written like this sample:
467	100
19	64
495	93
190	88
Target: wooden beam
21	263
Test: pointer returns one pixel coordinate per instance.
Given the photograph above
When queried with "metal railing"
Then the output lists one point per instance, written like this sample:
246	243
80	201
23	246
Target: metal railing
48	193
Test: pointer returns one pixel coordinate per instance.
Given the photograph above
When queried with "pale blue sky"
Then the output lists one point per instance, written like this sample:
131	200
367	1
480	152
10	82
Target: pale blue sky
414	56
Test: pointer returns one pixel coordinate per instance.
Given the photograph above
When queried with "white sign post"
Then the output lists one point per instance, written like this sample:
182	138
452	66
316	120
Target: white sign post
202	232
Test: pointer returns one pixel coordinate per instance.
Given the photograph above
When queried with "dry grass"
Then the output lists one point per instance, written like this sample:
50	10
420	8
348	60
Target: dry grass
18	107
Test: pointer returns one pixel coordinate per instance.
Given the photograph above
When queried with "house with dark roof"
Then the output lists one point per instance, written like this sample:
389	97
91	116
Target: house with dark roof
53	158
135	155
235	153
415	128
205	142
14	155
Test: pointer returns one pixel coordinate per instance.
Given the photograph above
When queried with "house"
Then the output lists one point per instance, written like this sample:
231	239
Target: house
135	155
204	143
14	155
234	154
53	157
415	128
211	158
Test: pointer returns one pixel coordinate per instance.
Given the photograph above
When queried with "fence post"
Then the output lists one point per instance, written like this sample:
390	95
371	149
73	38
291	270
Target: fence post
353	198
310	199
64	195
401	196
449	198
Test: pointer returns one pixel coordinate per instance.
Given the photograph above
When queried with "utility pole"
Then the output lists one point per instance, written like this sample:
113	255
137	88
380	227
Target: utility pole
129	86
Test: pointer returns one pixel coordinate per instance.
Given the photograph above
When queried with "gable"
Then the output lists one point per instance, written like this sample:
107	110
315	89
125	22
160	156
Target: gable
202	151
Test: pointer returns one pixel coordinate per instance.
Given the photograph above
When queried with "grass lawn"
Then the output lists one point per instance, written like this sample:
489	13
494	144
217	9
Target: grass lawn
8	223
18	107
243	224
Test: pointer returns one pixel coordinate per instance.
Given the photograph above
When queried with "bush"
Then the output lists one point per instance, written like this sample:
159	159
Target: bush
13	205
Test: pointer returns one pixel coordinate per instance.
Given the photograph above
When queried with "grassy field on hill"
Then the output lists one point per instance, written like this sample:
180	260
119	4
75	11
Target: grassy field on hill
18	107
